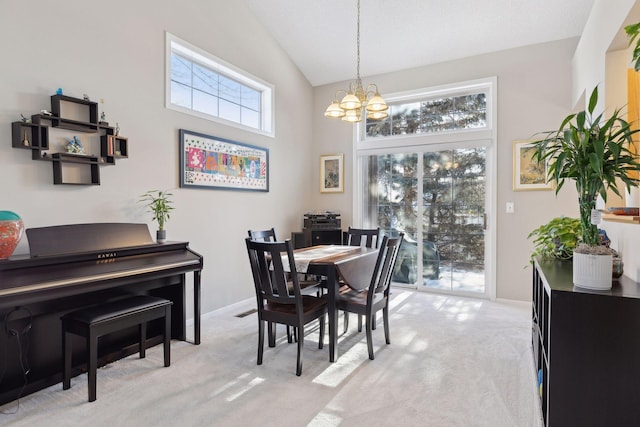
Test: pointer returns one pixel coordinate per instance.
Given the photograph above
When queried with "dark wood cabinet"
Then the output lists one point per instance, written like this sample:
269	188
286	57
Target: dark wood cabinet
586	349
77	115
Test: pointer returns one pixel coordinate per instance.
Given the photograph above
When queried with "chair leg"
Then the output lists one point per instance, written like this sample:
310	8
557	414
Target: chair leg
373	325
346	322
359	322
260	340
368	327
271	331
321	340
300	347
385	315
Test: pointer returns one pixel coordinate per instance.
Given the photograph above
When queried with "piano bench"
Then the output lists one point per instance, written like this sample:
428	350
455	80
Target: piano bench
96	321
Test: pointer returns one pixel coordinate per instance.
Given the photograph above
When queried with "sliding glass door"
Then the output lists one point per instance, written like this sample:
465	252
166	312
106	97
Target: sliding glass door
438	200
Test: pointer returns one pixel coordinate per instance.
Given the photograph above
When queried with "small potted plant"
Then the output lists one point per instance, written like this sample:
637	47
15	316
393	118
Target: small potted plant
595	153
160	205
557	239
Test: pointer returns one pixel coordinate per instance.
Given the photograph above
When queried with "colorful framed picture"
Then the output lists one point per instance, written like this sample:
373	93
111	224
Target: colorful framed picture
527	173
332	173
216	163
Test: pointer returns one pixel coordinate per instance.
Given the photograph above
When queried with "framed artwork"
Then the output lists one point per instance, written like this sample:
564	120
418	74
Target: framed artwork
527	173
216	163
332	173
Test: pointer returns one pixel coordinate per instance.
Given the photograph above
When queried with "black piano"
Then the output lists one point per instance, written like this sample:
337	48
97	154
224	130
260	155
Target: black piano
73	266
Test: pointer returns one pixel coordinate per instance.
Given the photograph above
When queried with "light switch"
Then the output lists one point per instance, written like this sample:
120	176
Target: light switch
510	207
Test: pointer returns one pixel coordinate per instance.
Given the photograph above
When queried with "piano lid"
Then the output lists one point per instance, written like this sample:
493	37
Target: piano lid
79	238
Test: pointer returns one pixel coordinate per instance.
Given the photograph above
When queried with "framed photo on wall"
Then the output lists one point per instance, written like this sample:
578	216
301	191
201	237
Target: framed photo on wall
527	173
332	173
216	163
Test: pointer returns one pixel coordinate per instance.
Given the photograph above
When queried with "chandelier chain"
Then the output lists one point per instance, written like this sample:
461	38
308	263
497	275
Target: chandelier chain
358	44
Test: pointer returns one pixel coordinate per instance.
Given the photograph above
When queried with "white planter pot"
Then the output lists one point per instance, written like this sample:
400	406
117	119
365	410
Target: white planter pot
592	271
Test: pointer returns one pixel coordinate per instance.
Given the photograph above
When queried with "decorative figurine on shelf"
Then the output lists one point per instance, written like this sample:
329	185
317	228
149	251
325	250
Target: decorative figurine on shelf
117	129
25	140
25	119
46	112
85	97
59	91
103	119
75	146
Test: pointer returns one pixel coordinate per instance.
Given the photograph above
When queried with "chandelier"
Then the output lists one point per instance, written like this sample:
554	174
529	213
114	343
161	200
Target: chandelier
358	100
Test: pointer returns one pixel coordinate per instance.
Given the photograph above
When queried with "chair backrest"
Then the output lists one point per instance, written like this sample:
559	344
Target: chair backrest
270	273
385	264
369	237
263	235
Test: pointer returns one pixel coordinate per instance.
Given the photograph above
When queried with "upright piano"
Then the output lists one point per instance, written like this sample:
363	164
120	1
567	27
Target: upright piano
79	265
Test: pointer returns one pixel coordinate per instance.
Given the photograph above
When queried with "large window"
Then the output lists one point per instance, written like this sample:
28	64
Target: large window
199	83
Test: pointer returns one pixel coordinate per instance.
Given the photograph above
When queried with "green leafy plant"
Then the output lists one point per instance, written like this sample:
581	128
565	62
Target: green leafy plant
594	152
633	31
159	204
556	239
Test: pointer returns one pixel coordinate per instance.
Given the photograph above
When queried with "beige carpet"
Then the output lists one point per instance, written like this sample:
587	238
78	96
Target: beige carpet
452	362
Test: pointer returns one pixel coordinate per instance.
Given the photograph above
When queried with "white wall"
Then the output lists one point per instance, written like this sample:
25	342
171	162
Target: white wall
115	50
603	57
605	23
534	95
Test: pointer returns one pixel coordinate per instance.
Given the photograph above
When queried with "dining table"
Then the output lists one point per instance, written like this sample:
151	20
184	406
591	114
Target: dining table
352	265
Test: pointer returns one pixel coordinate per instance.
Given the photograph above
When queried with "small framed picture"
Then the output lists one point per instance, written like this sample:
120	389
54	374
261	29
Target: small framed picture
527	173
332	173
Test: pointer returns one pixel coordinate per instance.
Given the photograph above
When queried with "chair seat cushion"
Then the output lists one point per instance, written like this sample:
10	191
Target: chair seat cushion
309	304
353	297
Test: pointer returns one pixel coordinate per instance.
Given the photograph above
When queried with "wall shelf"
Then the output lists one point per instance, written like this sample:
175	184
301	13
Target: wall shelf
72	114
622	218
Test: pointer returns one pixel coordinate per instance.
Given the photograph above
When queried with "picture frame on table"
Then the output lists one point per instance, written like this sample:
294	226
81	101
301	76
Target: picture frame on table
528	175
332	173
215	163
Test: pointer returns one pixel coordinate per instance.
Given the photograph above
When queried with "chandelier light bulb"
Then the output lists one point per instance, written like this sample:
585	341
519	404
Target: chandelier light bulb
350	102
352	116
334	110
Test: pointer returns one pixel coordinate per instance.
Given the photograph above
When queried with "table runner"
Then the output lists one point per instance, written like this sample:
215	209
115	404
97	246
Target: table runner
303	258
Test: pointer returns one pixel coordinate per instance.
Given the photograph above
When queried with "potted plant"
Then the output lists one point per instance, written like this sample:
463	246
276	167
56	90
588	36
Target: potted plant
160	205
557	239
594	152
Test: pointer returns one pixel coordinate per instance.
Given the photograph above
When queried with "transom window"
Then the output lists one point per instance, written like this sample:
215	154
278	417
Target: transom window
198	83
430	115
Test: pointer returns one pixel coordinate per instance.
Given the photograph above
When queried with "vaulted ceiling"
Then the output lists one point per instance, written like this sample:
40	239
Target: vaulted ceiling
320	35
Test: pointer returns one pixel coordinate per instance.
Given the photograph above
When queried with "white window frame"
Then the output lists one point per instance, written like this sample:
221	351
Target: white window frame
206	59
364	146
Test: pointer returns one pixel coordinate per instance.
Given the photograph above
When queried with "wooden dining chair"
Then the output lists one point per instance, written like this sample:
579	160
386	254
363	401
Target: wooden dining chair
368	237
278	302
376	297
309	285
269	236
